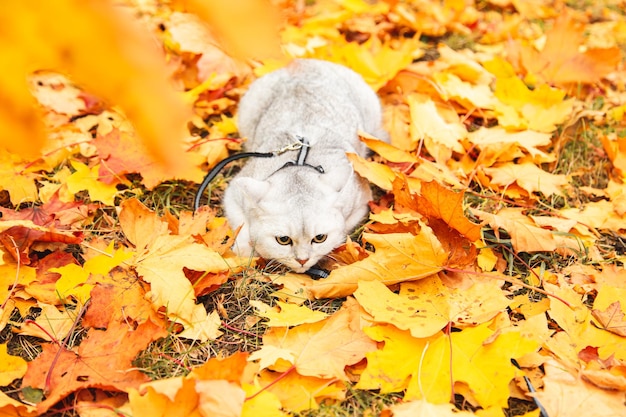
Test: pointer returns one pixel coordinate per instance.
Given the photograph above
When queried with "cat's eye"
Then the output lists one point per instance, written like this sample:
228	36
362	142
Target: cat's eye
284	240
319	238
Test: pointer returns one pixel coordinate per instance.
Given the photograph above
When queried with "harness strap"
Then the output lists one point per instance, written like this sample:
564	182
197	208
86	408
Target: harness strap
302	146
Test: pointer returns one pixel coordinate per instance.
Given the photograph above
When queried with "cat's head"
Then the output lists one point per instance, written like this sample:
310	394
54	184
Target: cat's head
294	219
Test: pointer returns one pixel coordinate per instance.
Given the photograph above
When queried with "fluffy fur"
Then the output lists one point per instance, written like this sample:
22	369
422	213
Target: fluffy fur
309	212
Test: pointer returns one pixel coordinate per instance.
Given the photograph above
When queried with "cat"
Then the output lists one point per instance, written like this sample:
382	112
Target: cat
298	206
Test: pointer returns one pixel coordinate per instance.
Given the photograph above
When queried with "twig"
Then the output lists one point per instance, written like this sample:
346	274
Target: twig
283	375
82	310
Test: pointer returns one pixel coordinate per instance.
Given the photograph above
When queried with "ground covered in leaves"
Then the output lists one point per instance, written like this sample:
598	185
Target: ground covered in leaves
488	279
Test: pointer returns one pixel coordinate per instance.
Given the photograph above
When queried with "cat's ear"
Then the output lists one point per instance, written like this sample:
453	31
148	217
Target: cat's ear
249	189
339	178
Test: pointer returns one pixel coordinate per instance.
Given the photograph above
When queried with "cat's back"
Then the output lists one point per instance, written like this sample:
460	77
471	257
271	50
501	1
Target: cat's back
308	97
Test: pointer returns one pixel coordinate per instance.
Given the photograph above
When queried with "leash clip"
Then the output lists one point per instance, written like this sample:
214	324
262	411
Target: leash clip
294	146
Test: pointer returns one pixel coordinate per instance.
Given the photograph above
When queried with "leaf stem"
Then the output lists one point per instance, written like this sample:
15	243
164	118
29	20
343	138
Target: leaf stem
280	377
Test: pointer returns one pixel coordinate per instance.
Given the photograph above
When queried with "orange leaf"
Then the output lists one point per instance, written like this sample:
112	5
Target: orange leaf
398	257
104	359
229	369
561	62
18	239
437	202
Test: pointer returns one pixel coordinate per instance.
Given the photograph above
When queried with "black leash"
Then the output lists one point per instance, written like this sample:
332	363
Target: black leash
217	168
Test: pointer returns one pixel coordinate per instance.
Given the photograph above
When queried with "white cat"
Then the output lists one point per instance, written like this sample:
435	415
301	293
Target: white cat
298	206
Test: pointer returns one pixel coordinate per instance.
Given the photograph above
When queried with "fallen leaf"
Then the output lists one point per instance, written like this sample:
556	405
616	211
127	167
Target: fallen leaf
399	257
13	367
611	318
528	176
85	178
322	349
389	368
421	306
526	236
423	408
52	325
289	314
566	395
437	202
110	352
561	62
299	393
441	137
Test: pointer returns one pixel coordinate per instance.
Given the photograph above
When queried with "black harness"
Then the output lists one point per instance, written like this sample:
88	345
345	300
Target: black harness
302	146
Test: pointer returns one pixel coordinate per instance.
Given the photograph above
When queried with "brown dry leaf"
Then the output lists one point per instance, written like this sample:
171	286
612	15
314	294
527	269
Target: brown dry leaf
566	395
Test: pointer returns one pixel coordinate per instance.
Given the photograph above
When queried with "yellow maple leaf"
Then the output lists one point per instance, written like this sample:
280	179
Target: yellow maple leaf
161	265
421	307
477	304
579	331
72	283
528	176
376	173
322	349
479	360
568	395
172	396
499	145
298	393
86	178
390	367
13	367
289	314
399	257
18	182
519	107
468	95
441	136
109	259
377	62
264	403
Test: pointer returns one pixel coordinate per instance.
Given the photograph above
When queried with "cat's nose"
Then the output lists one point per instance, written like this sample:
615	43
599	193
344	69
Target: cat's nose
302	261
